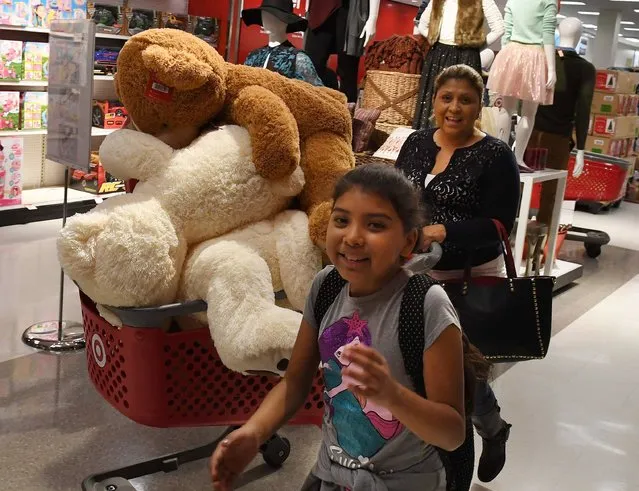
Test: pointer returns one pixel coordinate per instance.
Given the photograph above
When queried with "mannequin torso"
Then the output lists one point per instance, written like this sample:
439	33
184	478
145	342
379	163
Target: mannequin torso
280	55
575	88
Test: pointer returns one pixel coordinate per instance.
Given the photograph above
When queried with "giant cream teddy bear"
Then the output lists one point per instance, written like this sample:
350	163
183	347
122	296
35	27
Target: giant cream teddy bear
210	219
200	224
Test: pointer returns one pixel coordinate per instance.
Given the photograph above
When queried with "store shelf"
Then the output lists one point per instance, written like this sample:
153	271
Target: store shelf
101	131
23	133
94	132
98	35
103	78
47	203
24	83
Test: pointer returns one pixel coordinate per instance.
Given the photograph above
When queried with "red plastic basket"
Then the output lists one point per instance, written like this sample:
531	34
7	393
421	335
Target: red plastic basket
600	181
175	379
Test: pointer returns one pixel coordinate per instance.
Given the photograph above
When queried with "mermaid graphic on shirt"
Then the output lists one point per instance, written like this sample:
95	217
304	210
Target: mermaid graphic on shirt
362	427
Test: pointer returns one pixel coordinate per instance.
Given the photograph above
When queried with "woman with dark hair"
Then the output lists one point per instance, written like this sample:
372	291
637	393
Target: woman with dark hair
467	179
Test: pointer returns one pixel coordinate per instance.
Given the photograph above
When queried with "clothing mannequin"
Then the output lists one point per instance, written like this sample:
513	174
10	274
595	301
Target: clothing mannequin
277	19
571	110
455	32
345	28
524	70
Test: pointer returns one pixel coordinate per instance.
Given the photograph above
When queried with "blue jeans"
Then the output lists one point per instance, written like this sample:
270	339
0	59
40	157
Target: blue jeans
486	414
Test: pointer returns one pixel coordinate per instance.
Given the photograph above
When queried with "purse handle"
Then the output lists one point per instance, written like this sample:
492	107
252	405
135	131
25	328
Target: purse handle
511	270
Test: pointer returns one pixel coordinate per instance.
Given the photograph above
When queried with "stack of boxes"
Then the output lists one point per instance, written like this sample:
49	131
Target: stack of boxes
614	118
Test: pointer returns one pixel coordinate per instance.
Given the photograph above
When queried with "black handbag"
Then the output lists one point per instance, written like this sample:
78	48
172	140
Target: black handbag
507	319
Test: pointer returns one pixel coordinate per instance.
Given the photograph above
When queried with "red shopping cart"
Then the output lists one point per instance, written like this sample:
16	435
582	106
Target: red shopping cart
601	185
166	379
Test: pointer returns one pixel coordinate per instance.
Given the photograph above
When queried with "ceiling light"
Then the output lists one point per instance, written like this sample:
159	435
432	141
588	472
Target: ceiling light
573	3
631	28
559	16
626	1
633	40
627	23
590	26
589	13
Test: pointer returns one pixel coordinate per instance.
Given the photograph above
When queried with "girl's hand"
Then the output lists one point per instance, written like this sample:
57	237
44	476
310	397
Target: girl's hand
370	375
231	457
432	233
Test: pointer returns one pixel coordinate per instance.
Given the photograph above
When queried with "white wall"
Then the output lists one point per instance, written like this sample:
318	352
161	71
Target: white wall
625	56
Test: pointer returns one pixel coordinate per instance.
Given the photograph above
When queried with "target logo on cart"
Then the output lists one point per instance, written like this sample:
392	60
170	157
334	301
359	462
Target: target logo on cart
99	353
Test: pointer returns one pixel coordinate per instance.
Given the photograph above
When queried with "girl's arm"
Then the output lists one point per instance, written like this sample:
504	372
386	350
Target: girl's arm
287	397
438	420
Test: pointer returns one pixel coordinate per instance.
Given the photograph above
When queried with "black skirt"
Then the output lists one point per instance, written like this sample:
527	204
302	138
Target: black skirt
439	57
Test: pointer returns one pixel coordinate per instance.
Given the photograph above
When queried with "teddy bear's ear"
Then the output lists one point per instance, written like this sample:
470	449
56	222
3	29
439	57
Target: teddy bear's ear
176	68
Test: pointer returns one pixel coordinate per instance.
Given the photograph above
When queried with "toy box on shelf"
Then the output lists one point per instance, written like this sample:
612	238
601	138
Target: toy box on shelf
10	60
138	20
109	115
9	110
109	19
175	21
105	60
15	12
11	153
36	61
207	29
34	110
97	180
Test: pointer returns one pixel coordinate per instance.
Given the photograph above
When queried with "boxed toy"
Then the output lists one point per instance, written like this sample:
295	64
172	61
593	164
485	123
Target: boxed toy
175	21
603	145
108	18
613	126
105	60
11	154
109	114
97	180
15	12
9	110
138	20
36	61
34	110
207	29
10	60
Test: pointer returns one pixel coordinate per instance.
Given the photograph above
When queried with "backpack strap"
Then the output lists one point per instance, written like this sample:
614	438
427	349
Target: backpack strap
411	329
328	292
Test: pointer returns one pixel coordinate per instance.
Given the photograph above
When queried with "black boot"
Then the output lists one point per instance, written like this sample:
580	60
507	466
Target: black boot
493	455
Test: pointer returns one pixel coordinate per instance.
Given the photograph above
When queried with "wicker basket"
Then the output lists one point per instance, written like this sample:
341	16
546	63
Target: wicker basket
395	94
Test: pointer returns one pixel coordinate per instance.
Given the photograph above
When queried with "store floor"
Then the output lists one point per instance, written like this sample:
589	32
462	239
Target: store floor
574	414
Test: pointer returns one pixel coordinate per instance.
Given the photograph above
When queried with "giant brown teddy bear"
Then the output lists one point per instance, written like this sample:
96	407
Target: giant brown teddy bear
176	82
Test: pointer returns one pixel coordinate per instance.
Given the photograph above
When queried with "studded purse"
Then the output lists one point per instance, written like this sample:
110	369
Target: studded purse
507	319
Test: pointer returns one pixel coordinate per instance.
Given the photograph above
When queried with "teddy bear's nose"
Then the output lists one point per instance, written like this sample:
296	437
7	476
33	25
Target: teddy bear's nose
282	365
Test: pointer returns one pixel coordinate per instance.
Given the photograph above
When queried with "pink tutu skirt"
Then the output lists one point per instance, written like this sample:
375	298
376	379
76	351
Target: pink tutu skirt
520	71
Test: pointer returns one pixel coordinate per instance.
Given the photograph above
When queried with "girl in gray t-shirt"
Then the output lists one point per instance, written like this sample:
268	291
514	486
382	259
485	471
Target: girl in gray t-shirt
378	433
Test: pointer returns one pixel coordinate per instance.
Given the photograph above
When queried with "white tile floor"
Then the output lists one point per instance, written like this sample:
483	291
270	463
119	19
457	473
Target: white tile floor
621	224
575	415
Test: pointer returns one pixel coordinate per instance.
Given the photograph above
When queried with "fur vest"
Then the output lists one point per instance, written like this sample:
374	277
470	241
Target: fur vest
469	30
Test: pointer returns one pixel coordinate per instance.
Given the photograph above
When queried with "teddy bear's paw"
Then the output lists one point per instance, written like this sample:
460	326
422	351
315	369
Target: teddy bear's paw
291	185
77	242
264	344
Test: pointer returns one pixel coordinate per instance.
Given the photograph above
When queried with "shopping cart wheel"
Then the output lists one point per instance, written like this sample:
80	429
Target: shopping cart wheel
276	450
593	250
114	484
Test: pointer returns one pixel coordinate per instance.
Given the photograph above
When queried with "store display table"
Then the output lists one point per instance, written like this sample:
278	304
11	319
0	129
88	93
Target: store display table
565	272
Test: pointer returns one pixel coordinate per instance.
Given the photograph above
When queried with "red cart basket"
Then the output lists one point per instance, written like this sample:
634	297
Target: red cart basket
171	379
602	182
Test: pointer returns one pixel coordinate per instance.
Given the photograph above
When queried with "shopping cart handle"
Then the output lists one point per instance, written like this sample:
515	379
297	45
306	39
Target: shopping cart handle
152	317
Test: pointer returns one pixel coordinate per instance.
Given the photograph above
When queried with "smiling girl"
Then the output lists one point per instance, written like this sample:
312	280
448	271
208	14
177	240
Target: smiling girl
378	433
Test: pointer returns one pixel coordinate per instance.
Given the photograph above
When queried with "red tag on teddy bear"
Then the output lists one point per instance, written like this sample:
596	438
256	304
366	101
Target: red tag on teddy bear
158	91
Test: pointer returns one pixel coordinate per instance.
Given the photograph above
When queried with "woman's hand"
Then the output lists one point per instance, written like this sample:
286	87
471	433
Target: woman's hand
432	233
370	375
231	457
